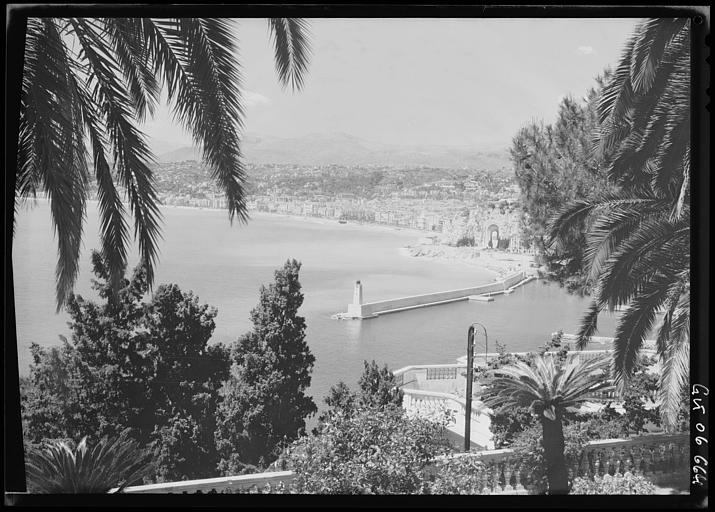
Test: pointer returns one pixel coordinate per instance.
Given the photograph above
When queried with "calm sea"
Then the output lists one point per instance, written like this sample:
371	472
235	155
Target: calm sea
225	266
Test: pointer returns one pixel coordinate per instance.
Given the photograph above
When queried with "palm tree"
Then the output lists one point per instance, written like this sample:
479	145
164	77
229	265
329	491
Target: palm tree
638	238
110	464
548	388
89	82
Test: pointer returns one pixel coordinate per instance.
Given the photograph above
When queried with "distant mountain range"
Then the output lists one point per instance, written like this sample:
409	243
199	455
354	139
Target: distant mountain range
343	149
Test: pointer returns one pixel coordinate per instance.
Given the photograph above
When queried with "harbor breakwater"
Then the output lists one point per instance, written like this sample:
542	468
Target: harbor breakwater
359	310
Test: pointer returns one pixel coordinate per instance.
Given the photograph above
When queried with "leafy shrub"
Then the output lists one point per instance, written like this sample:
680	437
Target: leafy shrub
372	451
462	475
626	484
377	388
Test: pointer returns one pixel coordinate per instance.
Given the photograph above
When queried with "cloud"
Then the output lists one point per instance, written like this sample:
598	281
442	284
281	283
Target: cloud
586	50
253	99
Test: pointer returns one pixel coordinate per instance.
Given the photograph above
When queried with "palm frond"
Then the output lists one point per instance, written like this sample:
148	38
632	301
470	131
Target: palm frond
632	329
652	38
131	154
676	289
546	384
197	59
684	196
589	325
637	257
578	380
675	363
133	58
113	227
615	220
617	97
292	50
567	221
58	149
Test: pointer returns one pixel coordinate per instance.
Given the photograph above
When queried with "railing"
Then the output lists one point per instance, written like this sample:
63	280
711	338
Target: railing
445	378
604	395
585	355
441	373
254	483
658	457
651	456
434	402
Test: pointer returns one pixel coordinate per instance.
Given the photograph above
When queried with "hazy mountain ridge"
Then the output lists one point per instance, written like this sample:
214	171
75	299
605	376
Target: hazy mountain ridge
344	149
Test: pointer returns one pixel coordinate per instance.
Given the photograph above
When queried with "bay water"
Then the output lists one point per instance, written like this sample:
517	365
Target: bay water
225	266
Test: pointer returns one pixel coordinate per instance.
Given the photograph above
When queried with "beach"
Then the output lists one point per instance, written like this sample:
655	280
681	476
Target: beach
497	262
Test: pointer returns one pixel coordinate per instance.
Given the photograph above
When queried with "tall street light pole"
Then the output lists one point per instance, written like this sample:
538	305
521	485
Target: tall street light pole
470	380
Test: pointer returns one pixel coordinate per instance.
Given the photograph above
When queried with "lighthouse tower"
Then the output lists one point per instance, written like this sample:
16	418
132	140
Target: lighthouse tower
357	294
355	308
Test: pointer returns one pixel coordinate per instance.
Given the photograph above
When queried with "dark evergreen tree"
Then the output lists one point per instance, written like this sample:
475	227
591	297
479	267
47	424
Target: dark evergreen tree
555	164
264	402
132	364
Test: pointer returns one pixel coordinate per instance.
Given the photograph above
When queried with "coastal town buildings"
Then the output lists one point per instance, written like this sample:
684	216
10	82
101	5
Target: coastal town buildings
475	207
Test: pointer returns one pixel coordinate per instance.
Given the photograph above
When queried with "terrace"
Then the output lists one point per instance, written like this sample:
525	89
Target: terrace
432	389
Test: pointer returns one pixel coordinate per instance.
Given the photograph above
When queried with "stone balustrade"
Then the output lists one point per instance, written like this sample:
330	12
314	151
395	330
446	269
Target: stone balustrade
659	458
270	482
653	456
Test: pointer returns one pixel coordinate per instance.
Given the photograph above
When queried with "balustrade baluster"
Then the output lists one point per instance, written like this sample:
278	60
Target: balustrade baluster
600	463
660	459
652	459
684	453
612	461
507	476
579	465
626	459
621	460
647	459
588	463
494	475
639	459
481	479
666	457
518	477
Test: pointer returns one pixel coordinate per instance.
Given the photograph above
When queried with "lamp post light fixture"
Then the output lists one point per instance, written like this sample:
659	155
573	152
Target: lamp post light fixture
470	379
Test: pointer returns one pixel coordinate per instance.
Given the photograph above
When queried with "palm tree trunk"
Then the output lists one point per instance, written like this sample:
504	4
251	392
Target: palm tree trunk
556	472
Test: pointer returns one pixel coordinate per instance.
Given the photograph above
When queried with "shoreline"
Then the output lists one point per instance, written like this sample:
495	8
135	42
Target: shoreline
497	264
289	216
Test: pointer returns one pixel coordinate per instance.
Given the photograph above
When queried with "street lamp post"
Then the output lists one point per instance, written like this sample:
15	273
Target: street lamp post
470	379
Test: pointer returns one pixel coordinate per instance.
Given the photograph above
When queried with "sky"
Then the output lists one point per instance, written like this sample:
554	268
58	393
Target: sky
439	81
